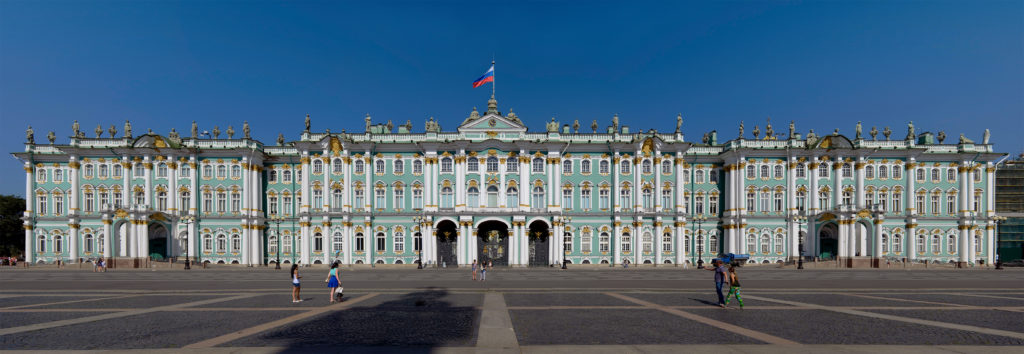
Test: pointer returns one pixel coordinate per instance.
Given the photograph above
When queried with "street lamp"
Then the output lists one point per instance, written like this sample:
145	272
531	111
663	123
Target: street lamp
188	220
419	220
700	219
801	220
999	219
565	251
276	219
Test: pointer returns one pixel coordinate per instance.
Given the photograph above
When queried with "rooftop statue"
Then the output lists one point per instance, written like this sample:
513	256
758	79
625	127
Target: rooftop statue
112	131
216	132
173	135
552	126
985	137
792	130
594	126
74	128
367	119
231	132
195	129
741	129
965	140
615	121
858	130
51	137
887	132
769	133
280	139
30	135
99	131
941	136
679	122
910	131
127	129
245	129
576	126
811	138
874	133
757	131
390	126
308	121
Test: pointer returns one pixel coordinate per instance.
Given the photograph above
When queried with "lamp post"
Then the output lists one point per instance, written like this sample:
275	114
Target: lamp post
800	220
188	220
999	219
700	219
565	251
276	219
419	220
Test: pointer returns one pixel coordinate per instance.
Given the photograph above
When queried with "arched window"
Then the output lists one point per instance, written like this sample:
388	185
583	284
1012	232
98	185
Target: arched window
186	200
222	243
765	199
869	171
567	241
686	243
823	170
883	171
603	240
585	166
777	204
624	167
318	242
951	245
666	198
399	193
777	172
751	171
272	244
764	171
666	242
357	197
399	242
473	197
161	170
897	172
381	242
700	242
567	166
897	243
699	176
89	245
287	244
417	239
666	167
41	244
604	198
714	244
492	164
538	197
935	244
885	243
778	243
766	245
360	242
977	244
751	244
379	166
603	167
337	242
648	199
847	170
627	242
648	242
538	165
336	166
222	171
492	196
920	244
336	198
236	243
446	197
472	164
286	176
58	244
417	166
360	166
512	165
417	197
512	197
318	166
646	166
446	165
379	193
625	198
586	241
801	170
207	243
399	167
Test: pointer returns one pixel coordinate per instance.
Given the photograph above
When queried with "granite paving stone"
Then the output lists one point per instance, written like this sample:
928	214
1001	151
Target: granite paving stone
144	301
588	327
838	299
997	319
564	299
17	319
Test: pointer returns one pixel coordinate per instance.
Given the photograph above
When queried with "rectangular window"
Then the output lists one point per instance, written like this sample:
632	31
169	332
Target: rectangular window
920	204
399	198
567	198
417	198
222	201
604	196
399	242
935	204
585	201
381	243
41	205
713	205
236	202
512	165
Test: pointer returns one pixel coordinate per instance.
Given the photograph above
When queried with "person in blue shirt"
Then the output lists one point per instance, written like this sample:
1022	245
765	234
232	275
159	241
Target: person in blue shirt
720	279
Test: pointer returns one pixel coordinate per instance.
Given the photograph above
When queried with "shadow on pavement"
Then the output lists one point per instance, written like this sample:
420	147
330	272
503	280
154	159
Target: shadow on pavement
412	323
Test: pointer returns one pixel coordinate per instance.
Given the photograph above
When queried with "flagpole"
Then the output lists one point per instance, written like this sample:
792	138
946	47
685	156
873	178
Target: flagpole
493	79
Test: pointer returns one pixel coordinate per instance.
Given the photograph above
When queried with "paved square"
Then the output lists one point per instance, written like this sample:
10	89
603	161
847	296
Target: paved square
517	310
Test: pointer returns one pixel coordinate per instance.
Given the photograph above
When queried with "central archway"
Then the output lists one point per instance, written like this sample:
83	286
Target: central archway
447	236
829	241
158	246
539	246
492	245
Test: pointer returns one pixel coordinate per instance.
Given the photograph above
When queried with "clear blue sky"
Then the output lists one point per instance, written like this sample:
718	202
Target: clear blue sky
950	66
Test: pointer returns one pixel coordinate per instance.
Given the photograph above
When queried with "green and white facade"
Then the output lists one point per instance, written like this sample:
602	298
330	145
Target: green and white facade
492	190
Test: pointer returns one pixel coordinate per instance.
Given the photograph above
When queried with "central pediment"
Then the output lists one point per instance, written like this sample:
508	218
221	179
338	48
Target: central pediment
491	121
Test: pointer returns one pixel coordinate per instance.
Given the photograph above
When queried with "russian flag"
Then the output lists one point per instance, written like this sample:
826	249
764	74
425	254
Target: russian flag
487	77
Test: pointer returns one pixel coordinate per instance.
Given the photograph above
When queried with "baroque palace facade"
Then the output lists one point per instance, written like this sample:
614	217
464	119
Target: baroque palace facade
494	191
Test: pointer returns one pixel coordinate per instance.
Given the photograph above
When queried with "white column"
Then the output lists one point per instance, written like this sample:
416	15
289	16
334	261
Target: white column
680	244
76	186
617	244
107	247
513	243
524	183
30	202
878	238
172	190
73	241
911	243
126	177
859	170
148	175
657	239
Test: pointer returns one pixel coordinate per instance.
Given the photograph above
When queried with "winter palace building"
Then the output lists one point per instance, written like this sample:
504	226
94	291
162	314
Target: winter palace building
492	190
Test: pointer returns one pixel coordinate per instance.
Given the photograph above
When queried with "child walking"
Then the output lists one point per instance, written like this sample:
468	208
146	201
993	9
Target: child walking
333	281
295	283
734	287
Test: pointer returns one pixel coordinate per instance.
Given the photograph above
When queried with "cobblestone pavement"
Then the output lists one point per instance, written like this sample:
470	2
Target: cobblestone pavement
516	310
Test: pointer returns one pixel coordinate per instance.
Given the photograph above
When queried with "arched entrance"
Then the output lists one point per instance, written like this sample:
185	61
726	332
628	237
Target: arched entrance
492	245
447	235
539	239
158	245
828	239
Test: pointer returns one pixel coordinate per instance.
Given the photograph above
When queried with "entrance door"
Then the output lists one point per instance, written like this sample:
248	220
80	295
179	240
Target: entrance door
158	242
829	240
539	244
492	244
446	243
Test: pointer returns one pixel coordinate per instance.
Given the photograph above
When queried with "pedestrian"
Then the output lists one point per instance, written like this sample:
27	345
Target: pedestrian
333	281
295	283
734	287
473	267
483	271
720	275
